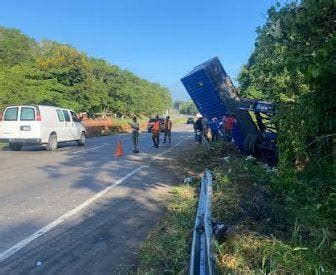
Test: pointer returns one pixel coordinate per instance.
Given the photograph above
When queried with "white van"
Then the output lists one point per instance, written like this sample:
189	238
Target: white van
40	125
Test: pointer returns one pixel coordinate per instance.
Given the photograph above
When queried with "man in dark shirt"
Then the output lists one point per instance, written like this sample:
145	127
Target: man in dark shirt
199	129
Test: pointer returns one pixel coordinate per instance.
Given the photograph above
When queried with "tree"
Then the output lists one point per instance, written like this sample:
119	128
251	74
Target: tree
293	64
188	108
177	104
15	47
56	74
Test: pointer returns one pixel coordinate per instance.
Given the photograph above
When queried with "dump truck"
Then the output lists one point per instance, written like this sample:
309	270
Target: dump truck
214	95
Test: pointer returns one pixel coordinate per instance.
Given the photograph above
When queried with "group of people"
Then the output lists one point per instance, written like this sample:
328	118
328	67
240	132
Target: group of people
155	129
205	127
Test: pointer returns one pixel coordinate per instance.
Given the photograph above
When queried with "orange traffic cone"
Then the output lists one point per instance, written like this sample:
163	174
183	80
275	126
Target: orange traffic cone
119	152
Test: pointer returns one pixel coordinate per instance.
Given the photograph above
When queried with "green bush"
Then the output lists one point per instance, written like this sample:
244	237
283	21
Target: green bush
46	72
294	65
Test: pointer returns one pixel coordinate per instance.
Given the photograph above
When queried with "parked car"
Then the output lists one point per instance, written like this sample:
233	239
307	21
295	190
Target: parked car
150	124
190	120
40	125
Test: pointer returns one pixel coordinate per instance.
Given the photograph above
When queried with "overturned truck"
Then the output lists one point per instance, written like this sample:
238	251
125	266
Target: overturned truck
214	95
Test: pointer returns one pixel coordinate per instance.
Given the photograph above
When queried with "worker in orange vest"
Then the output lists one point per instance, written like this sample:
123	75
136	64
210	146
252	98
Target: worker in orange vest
156	132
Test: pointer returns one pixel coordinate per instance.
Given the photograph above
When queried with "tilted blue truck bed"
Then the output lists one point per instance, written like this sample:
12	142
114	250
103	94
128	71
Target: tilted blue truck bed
214	94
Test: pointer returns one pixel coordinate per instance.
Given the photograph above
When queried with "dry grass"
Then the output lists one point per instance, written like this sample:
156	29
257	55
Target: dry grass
166	249
262	237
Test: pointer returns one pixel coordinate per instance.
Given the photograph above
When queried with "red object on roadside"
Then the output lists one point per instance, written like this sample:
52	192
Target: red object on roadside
119	152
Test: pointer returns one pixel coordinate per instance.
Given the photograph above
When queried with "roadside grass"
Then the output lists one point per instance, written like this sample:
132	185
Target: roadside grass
266	233
166	249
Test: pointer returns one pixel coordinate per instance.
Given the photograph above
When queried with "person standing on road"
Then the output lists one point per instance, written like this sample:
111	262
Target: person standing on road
135	134
156	132
167	129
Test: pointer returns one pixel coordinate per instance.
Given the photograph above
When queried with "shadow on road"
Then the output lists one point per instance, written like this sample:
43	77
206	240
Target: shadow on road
104	237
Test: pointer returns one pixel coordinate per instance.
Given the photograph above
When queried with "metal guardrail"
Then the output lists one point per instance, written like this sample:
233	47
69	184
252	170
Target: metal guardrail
202	259
205	144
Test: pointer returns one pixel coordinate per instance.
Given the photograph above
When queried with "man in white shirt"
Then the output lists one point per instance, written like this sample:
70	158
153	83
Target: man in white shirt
135	134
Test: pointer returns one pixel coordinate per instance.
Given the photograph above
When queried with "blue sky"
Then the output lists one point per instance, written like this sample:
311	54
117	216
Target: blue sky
160	40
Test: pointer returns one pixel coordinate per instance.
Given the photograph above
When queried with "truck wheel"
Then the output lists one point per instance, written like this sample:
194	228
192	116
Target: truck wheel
82	139
52	143
250	143
15	146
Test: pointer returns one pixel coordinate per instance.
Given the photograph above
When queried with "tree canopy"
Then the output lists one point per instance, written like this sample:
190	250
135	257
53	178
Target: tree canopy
187	108
50	73
294	65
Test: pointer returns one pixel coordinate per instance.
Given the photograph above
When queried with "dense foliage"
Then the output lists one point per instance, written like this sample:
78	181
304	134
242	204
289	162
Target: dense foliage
177	104
187	107
50	73
294	64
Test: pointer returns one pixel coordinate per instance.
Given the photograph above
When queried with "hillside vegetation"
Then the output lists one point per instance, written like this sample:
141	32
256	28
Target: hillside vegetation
46	72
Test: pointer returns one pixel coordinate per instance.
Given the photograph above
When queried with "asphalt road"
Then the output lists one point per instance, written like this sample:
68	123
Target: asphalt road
82	209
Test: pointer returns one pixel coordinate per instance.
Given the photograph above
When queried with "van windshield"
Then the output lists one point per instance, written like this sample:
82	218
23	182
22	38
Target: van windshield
11	114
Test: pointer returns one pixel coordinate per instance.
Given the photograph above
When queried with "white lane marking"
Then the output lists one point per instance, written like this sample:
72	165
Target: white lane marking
88	149
170	149
4	255
106	144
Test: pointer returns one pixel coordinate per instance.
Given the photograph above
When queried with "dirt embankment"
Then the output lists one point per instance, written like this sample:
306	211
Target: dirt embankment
103	127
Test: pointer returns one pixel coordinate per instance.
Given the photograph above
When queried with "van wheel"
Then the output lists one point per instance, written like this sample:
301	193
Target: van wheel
52	143
15	146
82	139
